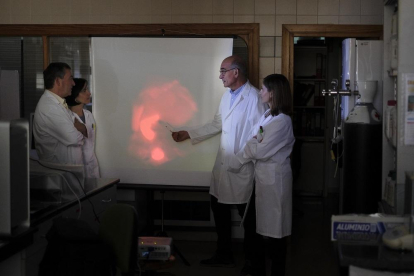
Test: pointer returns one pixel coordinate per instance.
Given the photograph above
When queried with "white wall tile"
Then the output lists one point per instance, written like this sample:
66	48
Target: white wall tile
223	18
285	7
202	19
307	19
180	7
327	19
349	7
244	19
40	7
60	19
267	24
40	19
223	7
160	19
278	65
99	19
144	7
183	18
244	7
124	7
131	19
20	19
283	19
328	7
267	46
264	7
5	9
372	7
371	20
307	7
161	7
80	7
79	19
60	8
101	8
21	8
203	7
140	19
348	19
266	67
5	19
278	46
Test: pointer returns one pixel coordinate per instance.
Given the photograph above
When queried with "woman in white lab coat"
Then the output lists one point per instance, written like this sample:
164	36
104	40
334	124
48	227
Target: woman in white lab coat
76	102
270	148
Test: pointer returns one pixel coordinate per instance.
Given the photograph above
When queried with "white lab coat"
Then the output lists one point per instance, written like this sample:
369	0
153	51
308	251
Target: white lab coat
56	138
273	175
235	124
89	158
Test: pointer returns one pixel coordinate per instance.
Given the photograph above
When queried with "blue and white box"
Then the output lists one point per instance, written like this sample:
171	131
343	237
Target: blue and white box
367	228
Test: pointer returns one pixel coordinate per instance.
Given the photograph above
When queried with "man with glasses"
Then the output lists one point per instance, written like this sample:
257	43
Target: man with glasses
240	108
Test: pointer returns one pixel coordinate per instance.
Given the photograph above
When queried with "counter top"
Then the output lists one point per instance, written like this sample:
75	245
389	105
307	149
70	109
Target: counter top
15	244
40	211
374	256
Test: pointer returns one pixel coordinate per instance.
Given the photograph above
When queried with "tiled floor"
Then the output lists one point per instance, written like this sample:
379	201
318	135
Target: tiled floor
310	251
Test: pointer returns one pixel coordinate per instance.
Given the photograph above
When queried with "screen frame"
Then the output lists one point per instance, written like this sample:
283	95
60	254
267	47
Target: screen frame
249	32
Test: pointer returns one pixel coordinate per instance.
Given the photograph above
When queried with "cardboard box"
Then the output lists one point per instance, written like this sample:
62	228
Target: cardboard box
367	228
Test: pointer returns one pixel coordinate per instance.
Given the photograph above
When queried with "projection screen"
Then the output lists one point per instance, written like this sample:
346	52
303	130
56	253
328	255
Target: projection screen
143	88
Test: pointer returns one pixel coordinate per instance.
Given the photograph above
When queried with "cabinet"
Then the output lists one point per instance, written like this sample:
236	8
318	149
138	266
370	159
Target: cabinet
401	157
309	119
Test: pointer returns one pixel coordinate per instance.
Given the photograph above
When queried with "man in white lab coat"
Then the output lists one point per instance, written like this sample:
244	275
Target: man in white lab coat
58	138
240	108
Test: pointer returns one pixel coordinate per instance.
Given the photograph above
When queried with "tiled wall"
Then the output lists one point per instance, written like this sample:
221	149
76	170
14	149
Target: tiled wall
271	14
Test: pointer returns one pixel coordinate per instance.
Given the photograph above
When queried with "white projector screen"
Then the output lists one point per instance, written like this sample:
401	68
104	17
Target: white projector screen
141	86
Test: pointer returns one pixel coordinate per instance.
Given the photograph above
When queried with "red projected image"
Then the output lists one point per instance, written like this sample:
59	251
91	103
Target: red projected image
155	108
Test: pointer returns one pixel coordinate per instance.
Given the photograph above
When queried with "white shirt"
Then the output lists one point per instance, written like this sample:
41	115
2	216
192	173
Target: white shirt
56	138
89	158
235	124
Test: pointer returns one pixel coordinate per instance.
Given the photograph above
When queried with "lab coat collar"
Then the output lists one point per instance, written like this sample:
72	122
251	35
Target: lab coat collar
243	94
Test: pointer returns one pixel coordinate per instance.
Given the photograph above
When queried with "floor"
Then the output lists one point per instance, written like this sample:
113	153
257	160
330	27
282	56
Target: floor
310	251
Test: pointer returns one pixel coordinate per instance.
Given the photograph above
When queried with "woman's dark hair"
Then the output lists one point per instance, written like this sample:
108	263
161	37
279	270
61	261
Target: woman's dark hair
79	85
281	100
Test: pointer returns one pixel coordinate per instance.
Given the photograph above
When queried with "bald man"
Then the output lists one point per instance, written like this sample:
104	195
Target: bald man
240	109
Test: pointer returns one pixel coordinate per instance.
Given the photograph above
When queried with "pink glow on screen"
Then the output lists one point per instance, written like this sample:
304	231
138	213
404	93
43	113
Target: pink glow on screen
151	141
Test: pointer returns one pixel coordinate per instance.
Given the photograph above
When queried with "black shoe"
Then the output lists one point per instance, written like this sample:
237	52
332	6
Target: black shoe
218	261
247	269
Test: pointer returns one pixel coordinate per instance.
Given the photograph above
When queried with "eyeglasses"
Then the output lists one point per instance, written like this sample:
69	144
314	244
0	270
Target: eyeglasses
224	71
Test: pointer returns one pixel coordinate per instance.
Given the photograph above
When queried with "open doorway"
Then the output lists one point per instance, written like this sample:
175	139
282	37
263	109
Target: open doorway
317	59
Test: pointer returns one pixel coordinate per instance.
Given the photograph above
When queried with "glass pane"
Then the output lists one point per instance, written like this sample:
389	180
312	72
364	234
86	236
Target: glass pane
24	52
32	73
75	51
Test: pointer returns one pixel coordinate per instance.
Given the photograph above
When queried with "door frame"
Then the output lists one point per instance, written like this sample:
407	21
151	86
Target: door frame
289	31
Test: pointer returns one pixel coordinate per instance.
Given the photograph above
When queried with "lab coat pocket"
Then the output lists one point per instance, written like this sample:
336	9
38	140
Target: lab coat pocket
234	165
